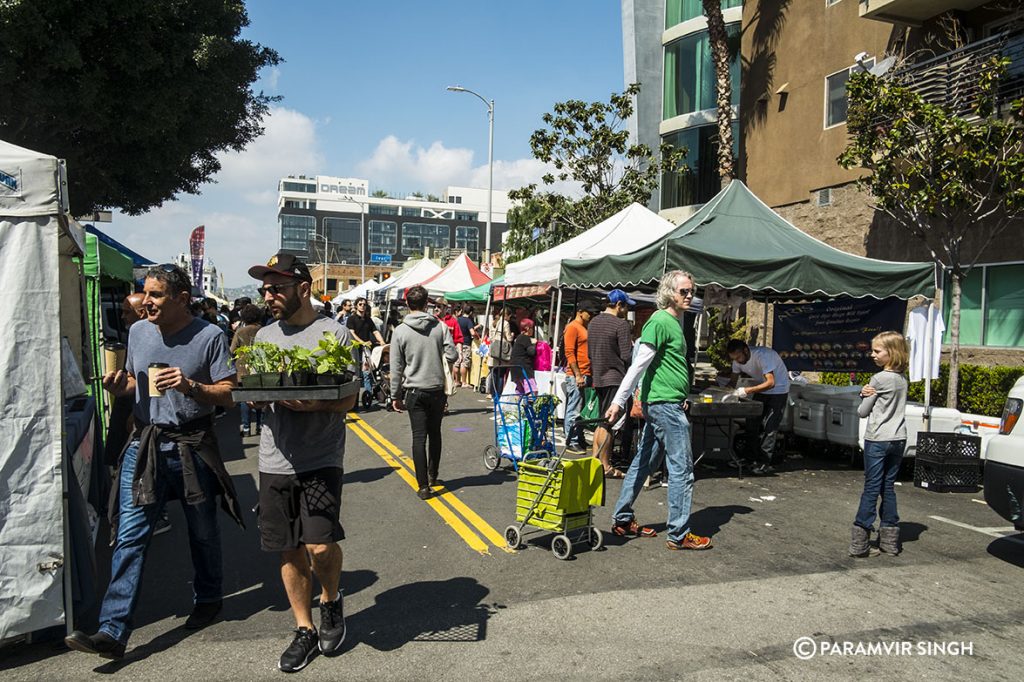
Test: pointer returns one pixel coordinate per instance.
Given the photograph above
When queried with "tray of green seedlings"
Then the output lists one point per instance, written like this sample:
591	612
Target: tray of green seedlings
270	373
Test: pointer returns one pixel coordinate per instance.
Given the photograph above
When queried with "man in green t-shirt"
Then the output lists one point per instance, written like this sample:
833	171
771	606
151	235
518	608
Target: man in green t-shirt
661	360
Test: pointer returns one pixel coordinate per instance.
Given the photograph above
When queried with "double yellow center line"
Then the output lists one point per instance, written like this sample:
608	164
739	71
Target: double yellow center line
450	508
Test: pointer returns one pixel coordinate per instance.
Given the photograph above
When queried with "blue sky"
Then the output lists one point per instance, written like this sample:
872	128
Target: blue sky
363	95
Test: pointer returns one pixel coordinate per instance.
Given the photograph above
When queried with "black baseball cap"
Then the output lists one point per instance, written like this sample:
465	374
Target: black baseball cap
282	264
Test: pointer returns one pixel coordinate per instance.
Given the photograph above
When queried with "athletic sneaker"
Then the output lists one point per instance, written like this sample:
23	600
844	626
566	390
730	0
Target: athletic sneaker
302	649
690	541
332	625
163	524
763	469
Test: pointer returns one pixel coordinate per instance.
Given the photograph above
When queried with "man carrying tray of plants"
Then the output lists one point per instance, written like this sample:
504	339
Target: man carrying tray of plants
301	460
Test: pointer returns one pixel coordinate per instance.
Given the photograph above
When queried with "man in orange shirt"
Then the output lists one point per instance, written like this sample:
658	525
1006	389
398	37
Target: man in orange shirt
577	374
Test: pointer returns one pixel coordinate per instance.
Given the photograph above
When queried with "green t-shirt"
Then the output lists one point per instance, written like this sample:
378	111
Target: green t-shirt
667	379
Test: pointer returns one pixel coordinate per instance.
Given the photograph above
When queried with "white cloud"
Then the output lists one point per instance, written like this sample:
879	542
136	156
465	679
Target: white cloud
398	165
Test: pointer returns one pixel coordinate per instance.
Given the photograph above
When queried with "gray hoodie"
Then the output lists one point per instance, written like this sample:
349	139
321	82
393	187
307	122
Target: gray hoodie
416	349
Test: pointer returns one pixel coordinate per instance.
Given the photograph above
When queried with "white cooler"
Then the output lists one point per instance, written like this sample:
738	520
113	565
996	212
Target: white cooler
842	423
809	416
944	420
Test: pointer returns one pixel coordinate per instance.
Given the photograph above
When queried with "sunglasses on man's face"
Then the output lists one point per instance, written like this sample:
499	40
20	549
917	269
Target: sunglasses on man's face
275	289
686	292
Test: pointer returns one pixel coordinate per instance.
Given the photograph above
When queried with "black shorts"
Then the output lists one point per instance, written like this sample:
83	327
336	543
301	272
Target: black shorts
605	398
300	509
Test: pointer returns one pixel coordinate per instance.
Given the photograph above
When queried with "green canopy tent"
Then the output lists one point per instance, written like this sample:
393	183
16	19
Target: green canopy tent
477	294
735	241
108	272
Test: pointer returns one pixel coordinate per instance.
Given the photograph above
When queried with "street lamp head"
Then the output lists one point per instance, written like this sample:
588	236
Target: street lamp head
455	88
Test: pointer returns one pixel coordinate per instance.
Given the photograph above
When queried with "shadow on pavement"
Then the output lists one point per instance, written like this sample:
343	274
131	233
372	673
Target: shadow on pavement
366	475
497	477
428	611
1009	549
910	531
709	521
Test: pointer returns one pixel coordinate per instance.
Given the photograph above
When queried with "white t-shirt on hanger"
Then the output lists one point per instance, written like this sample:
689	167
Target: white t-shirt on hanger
917	335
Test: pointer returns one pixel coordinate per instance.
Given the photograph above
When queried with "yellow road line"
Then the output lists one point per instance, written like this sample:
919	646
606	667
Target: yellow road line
488	531
471	538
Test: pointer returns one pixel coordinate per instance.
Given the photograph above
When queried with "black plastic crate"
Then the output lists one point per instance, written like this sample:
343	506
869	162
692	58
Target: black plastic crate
949	475
940	446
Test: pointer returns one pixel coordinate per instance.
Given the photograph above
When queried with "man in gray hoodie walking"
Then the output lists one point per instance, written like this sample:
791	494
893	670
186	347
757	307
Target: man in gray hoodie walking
417	347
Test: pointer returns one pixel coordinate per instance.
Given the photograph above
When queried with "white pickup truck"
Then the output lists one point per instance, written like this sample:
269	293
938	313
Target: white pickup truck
1004	463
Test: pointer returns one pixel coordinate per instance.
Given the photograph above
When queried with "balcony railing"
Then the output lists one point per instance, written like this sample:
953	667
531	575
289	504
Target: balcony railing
952	80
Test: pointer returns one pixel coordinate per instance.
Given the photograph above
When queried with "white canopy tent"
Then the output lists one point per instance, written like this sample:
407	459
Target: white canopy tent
36	237
414	274
359	291
459	275
628	230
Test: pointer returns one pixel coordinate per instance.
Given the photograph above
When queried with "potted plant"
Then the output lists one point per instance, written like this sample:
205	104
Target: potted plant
333	359
267	361
300	367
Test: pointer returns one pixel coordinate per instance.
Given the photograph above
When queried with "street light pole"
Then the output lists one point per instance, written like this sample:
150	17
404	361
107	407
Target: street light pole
490	162
362	236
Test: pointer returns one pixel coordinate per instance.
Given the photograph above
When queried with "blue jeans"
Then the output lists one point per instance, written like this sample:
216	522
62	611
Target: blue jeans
573	406
366	375
251	415
136	528
881	465
666	433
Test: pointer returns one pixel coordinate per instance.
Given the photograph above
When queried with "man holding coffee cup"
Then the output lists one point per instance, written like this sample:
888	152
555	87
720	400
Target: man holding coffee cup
178	370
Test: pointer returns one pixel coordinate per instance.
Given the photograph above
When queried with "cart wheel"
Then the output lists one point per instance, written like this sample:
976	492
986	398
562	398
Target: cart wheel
561	547
367	399
492	458
513	538
595	538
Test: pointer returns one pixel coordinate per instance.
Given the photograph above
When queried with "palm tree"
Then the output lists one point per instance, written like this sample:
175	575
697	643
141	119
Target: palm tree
718	38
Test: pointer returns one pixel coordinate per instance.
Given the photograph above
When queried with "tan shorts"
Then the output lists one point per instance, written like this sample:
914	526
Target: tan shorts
465	358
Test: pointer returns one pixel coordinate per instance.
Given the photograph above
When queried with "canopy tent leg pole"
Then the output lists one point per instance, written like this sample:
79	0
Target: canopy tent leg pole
764	326
929	344
551	314
558	322
387	316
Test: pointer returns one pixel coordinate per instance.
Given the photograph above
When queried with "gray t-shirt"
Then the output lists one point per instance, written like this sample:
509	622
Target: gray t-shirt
296	442
200	350
886	411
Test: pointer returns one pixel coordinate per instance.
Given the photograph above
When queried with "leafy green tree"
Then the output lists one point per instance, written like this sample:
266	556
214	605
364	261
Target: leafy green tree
586	144
941	176
138	97
379	194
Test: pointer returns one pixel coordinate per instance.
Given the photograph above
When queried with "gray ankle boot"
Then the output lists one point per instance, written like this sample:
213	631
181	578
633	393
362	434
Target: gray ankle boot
889	539
859	545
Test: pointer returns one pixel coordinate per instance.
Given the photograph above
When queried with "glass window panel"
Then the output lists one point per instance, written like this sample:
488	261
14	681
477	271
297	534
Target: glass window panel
343	238
697	180
411	212
463	215
468	238
298	187
970	308
383	209
383	236
690	74
1004	303
678	11
416	236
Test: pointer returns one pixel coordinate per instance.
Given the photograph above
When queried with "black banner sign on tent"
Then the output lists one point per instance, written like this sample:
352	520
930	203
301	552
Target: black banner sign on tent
834	336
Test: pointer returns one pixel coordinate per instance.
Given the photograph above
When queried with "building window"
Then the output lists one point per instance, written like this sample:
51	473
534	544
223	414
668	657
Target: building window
343	239
690	73
696	180
309	188
300	203
332	284
463	215
454	200
678	11
383	236
991	306
829	3
297	231
411	212
417	236
836	101
468	239
383	209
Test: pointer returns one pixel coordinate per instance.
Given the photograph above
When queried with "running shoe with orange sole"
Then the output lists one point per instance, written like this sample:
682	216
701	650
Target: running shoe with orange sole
689	541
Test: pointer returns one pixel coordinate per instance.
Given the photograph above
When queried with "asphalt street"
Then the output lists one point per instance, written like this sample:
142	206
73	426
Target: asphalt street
431	592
